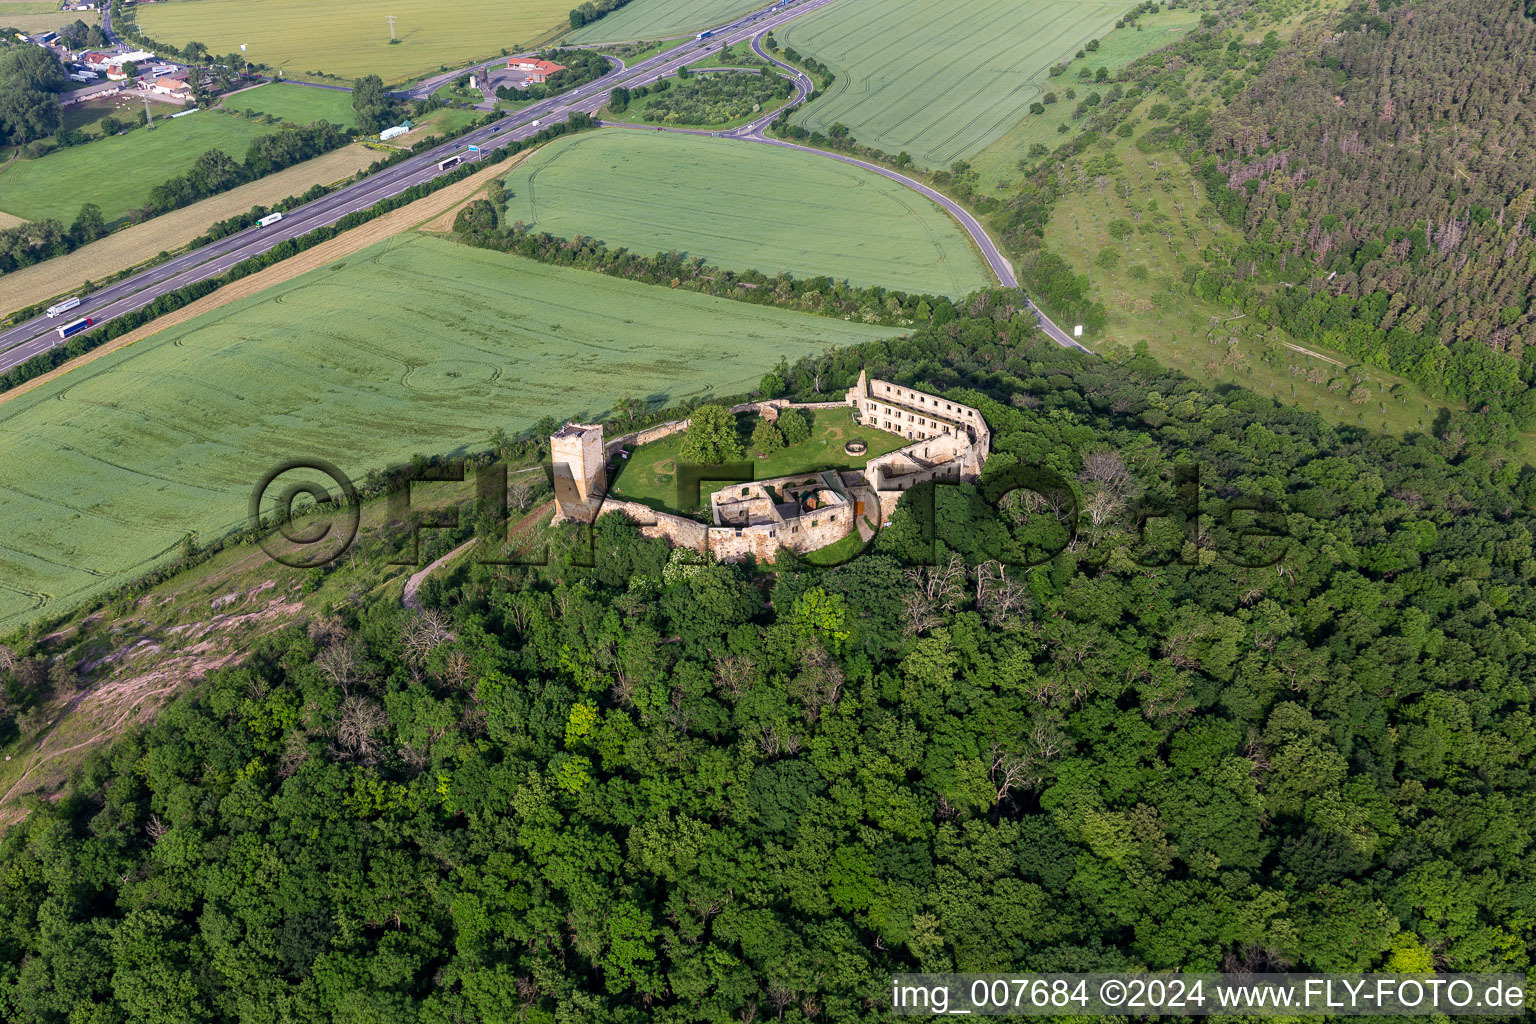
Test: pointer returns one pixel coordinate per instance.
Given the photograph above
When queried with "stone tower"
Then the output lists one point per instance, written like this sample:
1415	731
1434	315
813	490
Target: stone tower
576	450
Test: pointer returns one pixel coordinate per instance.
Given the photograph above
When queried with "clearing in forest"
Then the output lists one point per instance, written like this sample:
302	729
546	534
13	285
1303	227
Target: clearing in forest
296	104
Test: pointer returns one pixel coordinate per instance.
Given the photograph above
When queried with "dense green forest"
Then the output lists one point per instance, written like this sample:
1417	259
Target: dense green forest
657	790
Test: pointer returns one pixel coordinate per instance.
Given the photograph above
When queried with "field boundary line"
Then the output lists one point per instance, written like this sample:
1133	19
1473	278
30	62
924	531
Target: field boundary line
396	222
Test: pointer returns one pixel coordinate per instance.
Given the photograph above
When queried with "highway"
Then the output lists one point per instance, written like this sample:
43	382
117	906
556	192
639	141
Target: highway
34	337
26	340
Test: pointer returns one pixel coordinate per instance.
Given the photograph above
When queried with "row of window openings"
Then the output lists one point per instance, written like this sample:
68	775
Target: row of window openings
923	400
792	529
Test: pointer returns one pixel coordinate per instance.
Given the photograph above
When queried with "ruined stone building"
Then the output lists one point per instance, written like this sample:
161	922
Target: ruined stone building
801	513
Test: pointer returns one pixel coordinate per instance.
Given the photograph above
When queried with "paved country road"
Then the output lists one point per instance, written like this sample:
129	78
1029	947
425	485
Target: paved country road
26	340
756	131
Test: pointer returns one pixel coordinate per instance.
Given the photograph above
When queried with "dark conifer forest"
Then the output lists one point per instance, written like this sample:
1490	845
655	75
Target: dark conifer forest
1380	163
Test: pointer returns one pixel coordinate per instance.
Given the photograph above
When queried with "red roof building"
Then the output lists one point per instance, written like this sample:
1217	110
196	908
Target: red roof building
537	70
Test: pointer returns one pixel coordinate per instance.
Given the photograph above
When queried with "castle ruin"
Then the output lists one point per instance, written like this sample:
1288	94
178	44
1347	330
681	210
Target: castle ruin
803	512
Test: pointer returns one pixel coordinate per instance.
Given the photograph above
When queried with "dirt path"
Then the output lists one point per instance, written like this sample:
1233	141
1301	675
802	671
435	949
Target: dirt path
393	223
1314	355
412	585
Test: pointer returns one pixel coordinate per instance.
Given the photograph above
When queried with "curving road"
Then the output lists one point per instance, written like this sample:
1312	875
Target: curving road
24	341
34	337
756	131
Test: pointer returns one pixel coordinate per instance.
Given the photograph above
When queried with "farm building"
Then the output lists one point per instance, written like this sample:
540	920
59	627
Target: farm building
173	87
536	70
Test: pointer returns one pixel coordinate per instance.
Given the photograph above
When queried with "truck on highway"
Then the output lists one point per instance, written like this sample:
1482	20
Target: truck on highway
269	220
452	161
83	323
62	307
705	34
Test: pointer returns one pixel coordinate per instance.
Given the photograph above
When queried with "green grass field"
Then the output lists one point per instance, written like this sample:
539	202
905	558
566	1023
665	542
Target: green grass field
1132	223
743	206
296	104
50	19
11	8
1000	160
414	345
118	173
649	475
349	38
939	79
87	116
652	19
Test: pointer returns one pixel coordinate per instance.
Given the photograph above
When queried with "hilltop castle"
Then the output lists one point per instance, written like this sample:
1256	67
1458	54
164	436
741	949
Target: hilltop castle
804	512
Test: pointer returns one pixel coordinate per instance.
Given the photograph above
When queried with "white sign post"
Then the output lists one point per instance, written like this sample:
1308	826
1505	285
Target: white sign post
1077	332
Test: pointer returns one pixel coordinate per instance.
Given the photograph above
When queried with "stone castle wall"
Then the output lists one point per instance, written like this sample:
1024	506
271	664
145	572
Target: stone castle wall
731	544
949	441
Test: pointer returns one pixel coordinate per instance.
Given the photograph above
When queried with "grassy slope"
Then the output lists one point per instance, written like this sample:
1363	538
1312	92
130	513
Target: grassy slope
939	79
348	38
649	19
999	161
744	206
648	476
138	655
414	345
298	104
1178	328
118	173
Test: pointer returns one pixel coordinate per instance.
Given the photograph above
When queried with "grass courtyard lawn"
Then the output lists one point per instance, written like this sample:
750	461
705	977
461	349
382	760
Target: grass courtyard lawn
414	345
118	173
652	19
939	79
348	38
296	104
743	206
999	161
1139	278
649	474
836	552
